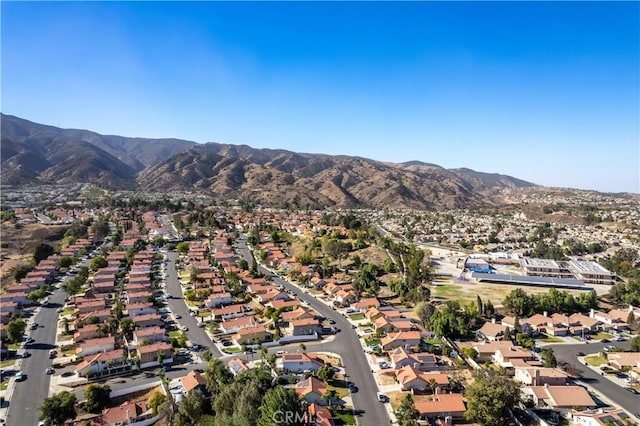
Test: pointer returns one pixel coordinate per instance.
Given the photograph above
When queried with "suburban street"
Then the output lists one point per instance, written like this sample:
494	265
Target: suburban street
29	394
178	305
347	345
604	386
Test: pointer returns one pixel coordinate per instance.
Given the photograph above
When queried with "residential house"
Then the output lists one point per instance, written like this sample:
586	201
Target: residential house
126	413
441	406
539	376
134	309
298	362
491	331
562	398
148	354
94	346
621	360
401	338
487	350
149	320
504	357
283	304
252	335
235	324
306	326
237	366
320	416
300	313
149	335
601	417
219	299
311	389
139	297
614	320
230	312
86	332
400	357
363	304
194	381
109	362
410	378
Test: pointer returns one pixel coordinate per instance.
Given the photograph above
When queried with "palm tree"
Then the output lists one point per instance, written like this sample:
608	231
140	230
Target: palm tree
330	395
65	324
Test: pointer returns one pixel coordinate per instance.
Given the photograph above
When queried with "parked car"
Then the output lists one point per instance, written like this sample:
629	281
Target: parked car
579	353
632	390
33	326
178	316
49	370
20	376
184	328
381	397
604	341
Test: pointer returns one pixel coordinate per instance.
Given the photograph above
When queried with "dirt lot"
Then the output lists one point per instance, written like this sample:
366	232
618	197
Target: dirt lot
17	245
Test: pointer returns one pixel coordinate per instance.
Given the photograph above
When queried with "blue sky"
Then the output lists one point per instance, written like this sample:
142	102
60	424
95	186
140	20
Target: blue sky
548	92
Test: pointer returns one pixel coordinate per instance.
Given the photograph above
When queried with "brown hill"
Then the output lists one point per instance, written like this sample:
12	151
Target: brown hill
34	153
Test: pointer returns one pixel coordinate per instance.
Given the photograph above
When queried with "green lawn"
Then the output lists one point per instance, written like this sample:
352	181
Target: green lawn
4	384
344	417
551	339
7	363
595	360
372	341
357	317
232	350
204	314
69	352
601	335
13	346
67	311
433	341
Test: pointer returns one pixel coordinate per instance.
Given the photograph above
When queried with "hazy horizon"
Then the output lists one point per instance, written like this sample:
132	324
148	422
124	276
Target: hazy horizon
544	92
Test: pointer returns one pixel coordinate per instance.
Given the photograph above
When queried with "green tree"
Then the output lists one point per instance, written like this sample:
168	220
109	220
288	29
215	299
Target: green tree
156	402
635	344
57	409
65	261
98	262
424	311
217	375
406	413
278	401
15	330
326	373
41	252
190	409
127	326
548	358
489	398
182	247
97	397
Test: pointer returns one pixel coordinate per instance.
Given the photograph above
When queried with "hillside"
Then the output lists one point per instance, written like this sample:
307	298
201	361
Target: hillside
35	153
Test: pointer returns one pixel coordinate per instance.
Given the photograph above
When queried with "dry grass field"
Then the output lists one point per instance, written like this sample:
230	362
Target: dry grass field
17	245
467	292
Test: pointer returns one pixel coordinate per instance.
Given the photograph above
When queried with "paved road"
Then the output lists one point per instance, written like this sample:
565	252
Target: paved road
29	394
369	411
178	306
606	387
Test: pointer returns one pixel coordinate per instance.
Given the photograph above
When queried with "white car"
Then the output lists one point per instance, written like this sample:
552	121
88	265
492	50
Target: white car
184	328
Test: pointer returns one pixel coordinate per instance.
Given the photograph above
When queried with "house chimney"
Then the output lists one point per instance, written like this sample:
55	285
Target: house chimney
592	313
493	320
544	313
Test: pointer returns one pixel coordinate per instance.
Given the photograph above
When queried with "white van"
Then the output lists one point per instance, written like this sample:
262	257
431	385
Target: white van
381	397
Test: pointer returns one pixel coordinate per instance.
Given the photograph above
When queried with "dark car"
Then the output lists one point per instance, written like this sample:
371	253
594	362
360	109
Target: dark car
605	341
632	390
579	353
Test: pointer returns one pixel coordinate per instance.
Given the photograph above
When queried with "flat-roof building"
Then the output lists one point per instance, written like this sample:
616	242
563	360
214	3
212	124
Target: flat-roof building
592	272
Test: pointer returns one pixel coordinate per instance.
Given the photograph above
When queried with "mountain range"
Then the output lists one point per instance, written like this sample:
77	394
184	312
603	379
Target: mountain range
33	153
